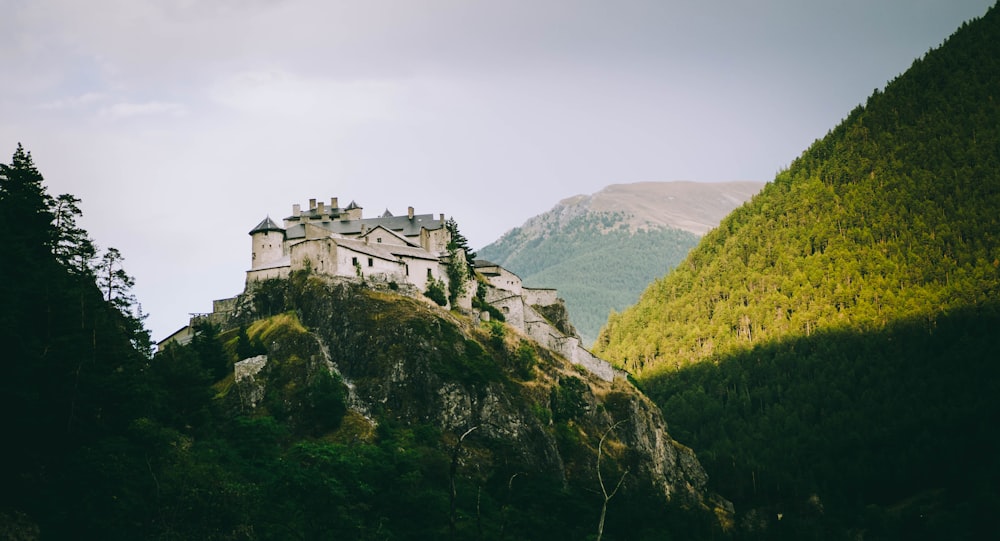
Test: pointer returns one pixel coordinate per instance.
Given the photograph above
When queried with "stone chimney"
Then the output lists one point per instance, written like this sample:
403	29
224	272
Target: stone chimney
442	218
312	204
296	209
333	203
320	207
409	212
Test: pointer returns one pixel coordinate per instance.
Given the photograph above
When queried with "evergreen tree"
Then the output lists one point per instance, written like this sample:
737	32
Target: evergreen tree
73	248
461	261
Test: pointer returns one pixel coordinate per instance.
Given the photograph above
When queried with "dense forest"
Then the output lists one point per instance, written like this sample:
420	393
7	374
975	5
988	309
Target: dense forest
104	440
891	215
829	351
596	261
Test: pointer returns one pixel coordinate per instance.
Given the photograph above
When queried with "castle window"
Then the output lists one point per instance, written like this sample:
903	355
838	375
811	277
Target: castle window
379	240
371	262
354	262
429	275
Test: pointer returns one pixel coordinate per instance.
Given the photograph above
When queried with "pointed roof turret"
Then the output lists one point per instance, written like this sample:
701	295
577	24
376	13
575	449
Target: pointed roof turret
386	214
267	224
353	205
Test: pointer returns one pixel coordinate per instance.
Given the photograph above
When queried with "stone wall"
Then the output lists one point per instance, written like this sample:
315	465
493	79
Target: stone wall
278	271
520	315
317	254
540	296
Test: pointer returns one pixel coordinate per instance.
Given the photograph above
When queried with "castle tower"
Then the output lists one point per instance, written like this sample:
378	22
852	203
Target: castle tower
268	243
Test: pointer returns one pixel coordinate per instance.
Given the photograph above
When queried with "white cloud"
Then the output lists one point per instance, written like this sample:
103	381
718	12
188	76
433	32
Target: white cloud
145	109
287	95
83	101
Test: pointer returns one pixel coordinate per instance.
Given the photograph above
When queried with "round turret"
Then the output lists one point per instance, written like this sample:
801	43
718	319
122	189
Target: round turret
268	244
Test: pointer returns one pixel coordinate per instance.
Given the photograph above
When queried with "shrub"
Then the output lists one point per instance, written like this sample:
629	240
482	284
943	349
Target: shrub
435	292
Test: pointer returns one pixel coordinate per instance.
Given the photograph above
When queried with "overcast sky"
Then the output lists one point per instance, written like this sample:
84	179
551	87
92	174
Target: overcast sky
182	123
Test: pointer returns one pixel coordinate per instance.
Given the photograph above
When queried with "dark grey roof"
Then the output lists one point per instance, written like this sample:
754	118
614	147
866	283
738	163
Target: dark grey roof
353	205
402	225
484	263
267	224
386	214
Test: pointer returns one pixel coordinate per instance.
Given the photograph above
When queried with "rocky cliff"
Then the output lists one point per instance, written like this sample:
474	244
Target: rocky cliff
521	408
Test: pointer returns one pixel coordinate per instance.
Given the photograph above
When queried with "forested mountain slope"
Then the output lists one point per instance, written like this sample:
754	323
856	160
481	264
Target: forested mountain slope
602	250
830	350
892	215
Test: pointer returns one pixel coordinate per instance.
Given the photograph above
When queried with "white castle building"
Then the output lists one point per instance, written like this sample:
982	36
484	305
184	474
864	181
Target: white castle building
411	249
341	242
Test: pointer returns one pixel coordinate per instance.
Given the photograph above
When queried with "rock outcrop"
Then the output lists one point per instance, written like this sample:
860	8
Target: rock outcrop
528	409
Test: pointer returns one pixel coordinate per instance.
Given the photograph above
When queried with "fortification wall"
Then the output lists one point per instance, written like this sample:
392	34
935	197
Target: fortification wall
259	275
540	330
540	296
507	281
317	254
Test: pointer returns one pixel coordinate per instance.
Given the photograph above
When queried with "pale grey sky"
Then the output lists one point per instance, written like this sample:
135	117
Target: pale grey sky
182	123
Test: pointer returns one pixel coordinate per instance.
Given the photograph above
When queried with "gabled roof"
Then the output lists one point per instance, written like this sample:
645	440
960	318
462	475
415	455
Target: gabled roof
267	224
380	227
386	251
402	225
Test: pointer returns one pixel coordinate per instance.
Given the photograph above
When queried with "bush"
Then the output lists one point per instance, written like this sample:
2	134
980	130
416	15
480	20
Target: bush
525	360
435	292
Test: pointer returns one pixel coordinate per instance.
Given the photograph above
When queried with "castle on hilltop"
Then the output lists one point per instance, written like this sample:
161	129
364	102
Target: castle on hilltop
400	251
337	241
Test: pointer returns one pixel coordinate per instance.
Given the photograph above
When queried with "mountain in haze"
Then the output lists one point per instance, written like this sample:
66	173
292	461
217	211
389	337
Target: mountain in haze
602	250
830	349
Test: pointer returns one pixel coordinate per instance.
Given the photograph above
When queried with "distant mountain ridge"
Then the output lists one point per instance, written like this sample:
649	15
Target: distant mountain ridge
601	250
691	206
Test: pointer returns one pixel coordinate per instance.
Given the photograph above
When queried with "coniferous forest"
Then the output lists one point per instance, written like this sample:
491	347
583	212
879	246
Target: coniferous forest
568	256
829	351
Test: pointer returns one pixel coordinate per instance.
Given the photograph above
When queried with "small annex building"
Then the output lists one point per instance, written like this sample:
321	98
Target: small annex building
342	242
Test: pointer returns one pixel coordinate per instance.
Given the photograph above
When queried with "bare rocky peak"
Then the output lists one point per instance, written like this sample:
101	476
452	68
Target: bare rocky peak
692	206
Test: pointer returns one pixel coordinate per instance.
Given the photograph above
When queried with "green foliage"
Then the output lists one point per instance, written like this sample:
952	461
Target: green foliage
869	423
458	243
247	347
72	374
828	351
498	334
892	215
269	297
525	360
479	303
569	399
460	260
210	351
595	262
435	292
325	402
